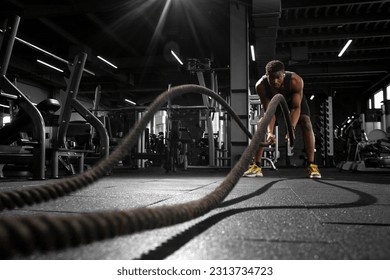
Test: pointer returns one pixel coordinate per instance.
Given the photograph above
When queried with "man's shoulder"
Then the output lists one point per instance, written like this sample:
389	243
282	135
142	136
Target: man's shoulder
261	86
296	82
294	76
261	81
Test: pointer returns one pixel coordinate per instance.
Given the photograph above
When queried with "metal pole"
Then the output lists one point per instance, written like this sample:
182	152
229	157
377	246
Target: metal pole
209	123
95	107
9	35
71	91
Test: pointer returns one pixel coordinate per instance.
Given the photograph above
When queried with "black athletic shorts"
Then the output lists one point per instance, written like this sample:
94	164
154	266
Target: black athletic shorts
304	107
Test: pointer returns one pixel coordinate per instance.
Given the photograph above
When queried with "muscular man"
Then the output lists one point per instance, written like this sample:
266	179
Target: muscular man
290	85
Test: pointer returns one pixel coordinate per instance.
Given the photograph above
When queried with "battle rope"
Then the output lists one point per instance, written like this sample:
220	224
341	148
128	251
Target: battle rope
23	235
38	194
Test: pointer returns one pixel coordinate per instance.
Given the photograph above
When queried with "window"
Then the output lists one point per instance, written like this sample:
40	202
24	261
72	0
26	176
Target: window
378	98
6	119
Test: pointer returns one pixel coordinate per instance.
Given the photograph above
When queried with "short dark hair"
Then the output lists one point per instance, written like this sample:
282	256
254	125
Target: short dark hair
274	66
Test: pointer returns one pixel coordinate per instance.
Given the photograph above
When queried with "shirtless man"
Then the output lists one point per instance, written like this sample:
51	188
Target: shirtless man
290	85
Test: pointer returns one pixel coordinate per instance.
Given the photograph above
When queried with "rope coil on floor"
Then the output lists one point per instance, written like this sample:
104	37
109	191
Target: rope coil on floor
26	234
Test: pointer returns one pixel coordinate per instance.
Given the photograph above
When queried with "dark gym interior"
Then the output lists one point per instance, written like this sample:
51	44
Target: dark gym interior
125	127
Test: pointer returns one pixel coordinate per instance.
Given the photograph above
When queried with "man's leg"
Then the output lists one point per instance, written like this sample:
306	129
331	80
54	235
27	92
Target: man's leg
309	140
254	169
308	136
258	155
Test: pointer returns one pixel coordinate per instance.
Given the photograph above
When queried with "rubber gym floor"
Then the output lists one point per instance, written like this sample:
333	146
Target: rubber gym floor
282	215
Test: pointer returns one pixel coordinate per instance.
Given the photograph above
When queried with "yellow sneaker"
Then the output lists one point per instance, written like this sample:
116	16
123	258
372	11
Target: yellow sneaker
313	172
253	171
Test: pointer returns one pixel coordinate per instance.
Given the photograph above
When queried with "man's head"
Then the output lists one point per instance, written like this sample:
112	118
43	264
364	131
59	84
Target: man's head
274	71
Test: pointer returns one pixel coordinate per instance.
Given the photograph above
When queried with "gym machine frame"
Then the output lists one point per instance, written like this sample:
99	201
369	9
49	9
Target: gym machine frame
61	147
38	155
77	68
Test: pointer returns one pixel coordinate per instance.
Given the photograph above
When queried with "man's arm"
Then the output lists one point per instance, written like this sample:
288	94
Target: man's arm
296	98
265	101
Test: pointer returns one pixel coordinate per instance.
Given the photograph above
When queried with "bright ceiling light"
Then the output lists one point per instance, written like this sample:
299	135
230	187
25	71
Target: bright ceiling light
130	102
312	97
345	48
176	57
50	66
106	61
253	53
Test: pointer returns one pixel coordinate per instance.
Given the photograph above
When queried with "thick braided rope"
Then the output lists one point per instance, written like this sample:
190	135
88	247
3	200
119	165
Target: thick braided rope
38	194
24	235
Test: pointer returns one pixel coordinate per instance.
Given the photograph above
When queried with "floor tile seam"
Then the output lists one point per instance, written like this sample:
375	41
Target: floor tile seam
155	204
206	185
285	240
357	204
308	208
28	212
103	196
182	190
359	224
340	232
178	195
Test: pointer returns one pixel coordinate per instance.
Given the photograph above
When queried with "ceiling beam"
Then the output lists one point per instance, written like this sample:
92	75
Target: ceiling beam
333	21
111	33
345	74
331	36
338	68
62	32
349	58
297	4
77	8
284	53
384	80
